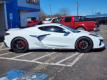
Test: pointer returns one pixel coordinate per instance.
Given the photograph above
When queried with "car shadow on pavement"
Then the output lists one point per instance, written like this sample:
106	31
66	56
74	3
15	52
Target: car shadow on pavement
99	50
52	50
64	50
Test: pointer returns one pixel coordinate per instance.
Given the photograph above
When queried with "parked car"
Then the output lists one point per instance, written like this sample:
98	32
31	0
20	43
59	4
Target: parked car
98	20
33	21
48	20
77	22
52	36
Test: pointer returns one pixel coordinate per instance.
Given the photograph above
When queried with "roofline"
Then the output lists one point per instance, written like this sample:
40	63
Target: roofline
72	16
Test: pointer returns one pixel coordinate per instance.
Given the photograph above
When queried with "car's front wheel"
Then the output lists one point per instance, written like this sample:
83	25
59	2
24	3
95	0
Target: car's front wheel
19	45
84	45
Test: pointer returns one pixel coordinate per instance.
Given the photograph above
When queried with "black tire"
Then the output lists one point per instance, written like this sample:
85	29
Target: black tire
84	45
81	28
19	45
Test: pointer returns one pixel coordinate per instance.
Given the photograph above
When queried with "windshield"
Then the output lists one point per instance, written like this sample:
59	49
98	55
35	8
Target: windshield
57	20
49	20
70	29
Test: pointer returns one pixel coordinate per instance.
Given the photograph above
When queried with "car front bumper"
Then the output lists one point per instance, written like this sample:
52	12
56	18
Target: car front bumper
100	44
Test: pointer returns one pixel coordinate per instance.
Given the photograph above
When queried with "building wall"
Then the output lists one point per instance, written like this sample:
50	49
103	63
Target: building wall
24	3
27	10
19	10
25	15
12	14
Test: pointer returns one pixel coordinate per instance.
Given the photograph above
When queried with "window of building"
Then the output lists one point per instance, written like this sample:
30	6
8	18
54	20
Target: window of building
32	1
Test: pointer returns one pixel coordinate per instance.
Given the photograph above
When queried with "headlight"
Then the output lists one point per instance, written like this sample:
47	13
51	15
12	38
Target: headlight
96	35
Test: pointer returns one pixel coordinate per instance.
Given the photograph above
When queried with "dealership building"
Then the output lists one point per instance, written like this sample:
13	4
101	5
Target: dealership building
14	13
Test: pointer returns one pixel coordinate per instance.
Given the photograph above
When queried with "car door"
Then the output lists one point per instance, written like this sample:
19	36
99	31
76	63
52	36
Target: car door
67	21
55	37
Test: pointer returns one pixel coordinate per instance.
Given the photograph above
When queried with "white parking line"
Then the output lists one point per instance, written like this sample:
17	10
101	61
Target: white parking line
43	56
4	49
67	58
59	63
42	63
21	55
2	44
76	60
5	53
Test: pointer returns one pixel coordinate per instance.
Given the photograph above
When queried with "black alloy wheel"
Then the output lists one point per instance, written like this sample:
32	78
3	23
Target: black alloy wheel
19	45
84	45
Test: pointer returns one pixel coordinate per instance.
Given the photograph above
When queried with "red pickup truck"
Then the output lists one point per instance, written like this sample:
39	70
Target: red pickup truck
32	22
76	22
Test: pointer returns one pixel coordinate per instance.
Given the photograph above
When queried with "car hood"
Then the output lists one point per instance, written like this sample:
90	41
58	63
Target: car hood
81	31
86	33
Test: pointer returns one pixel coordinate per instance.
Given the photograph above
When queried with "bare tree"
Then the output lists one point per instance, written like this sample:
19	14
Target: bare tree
98	13
42	15
62	12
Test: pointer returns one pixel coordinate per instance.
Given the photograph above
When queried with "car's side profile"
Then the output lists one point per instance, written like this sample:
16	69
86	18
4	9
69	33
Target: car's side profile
52	36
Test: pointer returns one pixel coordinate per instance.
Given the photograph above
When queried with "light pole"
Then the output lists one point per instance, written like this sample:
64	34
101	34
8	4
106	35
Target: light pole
77	8
50	9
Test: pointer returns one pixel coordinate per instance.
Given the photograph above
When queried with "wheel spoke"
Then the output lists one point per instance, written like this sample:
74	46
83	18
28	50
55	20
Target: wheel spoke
83	44
19	44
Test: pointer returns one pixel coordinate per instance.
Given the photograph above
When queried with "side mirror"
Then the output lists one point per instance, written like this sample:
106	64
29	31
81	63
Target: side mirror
66	33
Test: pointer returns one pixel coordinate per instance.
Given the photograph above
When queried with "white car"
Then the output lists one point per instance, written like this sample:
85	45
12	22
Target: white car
48	20
52	36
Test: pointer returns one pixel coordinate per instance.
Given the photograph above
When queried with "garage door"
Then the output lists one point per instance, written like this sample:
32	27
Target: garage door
25	15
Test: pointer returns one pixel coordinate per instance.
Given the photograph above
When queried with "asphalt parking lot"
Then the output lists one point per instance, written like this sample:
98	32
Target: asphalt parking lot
59	65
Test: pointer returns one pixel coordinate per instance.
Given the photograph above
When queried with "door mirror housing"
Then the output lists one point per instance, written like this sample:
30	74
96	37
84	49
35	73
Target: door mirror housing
66	33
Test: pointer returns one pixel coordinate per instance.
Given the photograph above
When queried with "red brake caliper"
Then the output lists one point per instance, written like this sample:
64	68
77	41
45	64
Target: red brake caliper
80	44
22	44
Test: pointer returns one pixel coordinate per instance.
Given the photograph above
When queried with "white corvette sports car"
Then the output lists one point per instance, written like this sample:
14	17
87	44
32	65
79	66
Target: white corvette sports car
52	36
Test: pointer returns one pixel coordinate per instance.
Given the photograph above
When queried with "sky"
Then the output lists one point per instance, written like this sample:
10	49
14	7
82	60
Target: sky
86	7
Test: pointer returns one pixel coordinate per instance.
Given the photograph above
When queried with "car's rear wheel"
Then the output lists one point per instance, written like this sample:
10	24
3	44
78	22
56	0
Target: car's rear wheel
19	45
84	45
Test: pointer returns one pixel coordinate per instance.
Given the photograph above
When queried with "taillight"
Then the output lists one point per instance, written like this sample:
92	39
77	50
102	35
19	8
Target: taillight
7	34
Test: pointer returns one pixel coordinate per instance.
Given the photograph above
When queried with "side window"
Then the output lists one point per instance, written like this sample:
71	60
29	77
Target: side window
57	29
44	28
52	29
77	19
57	20
54	21
68	19
32	1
